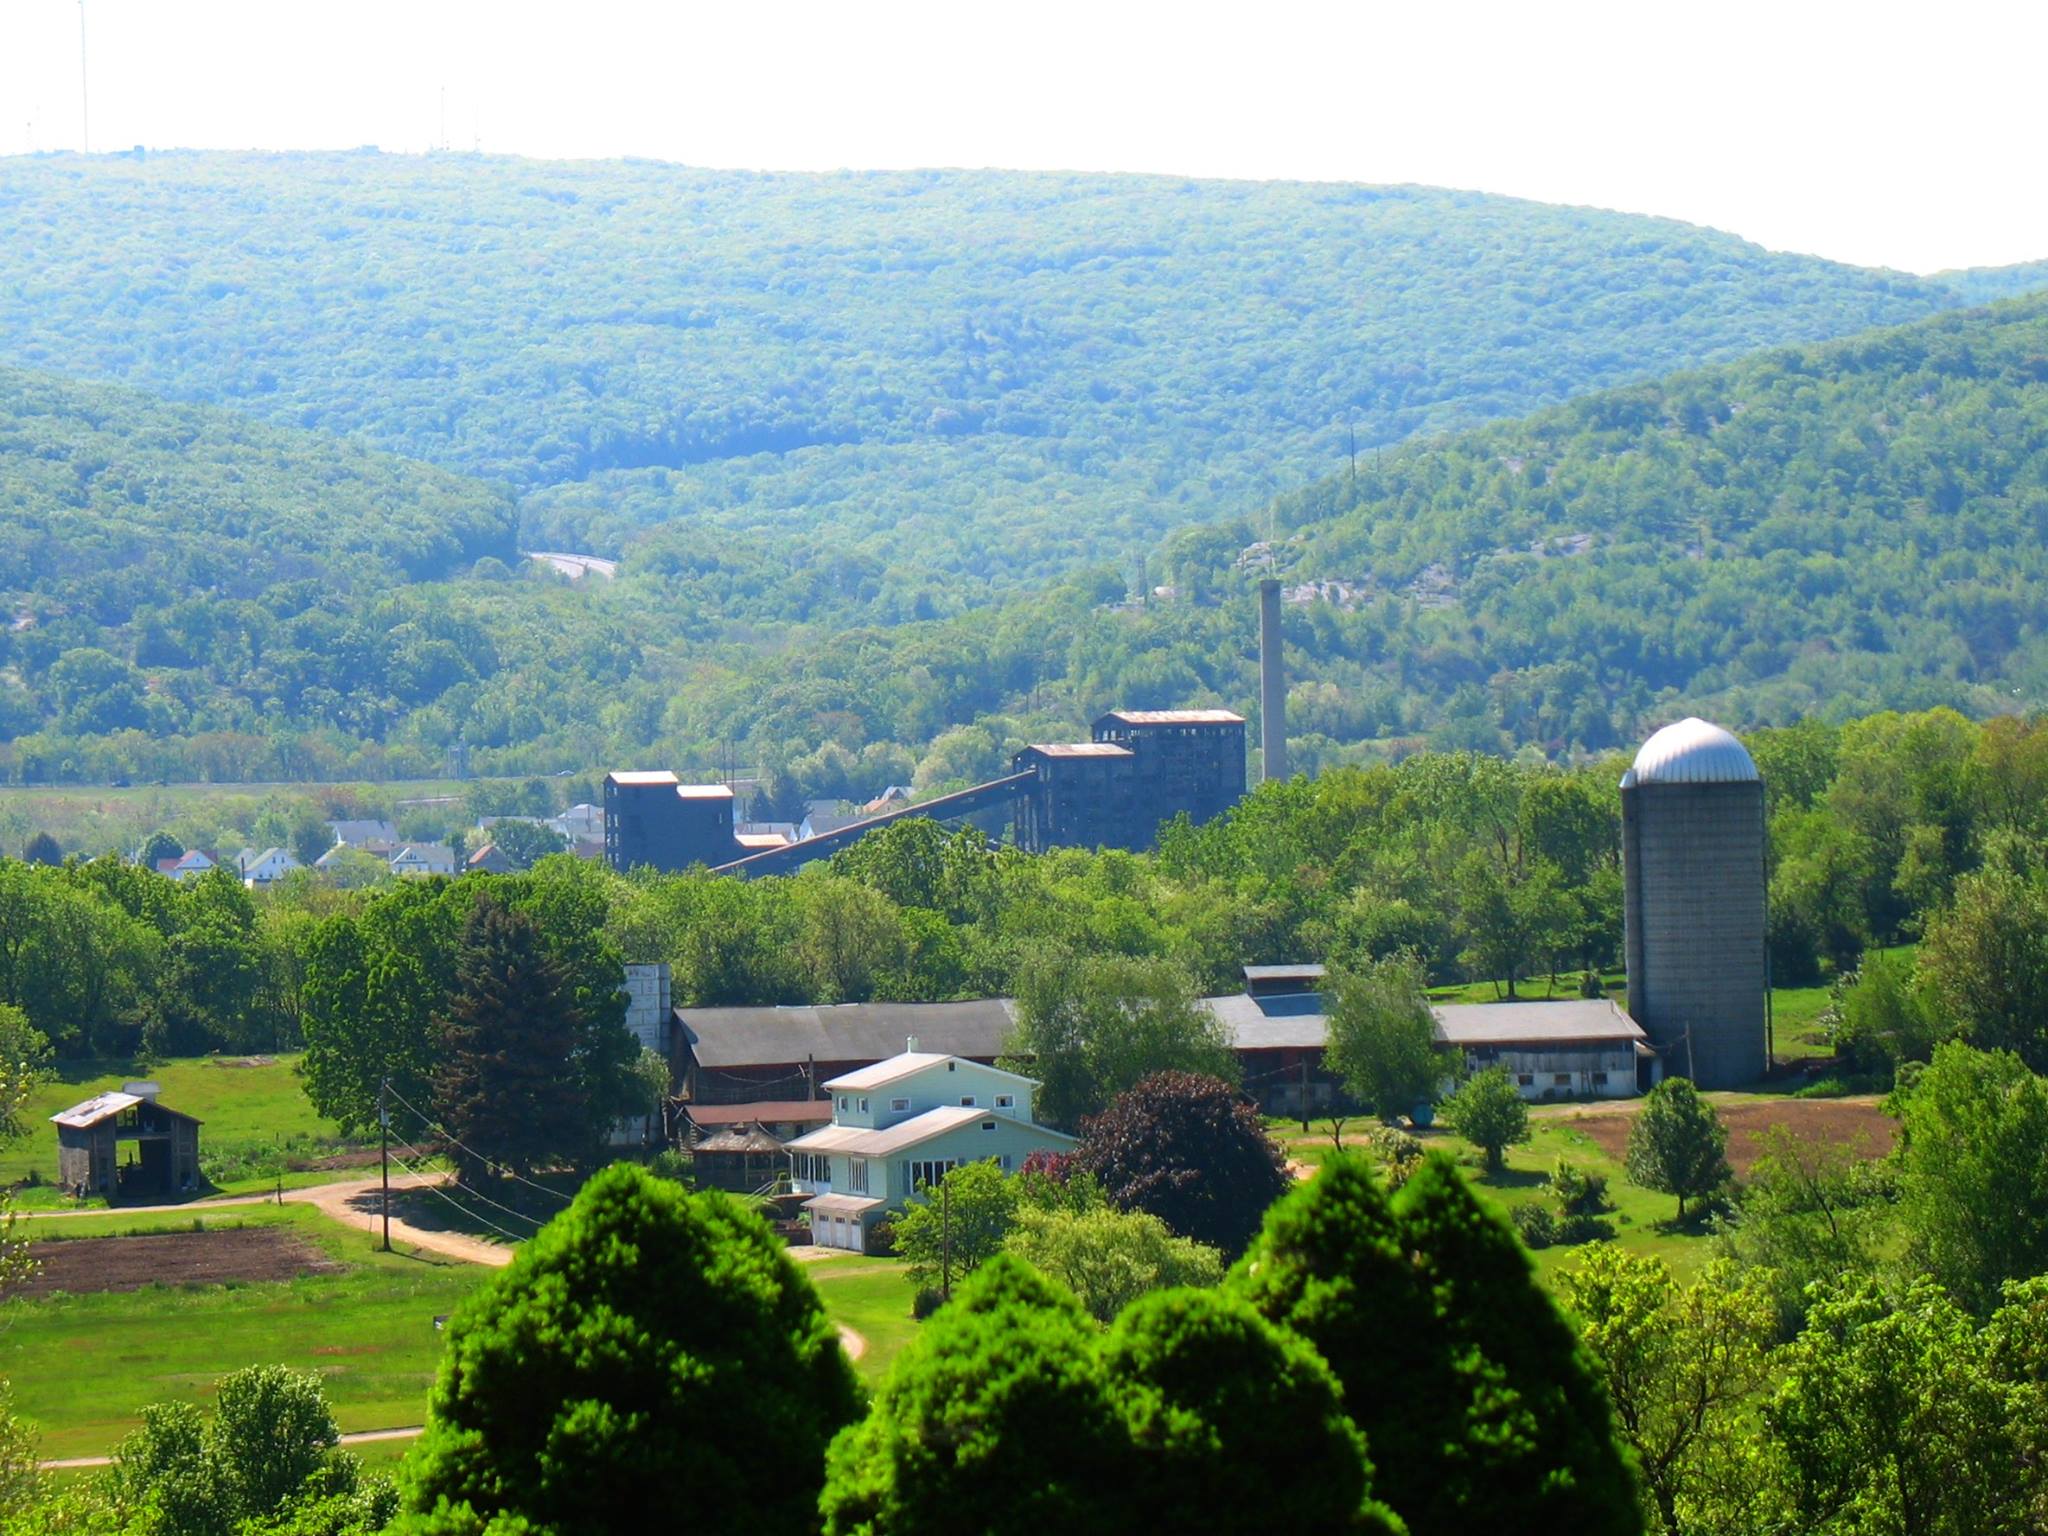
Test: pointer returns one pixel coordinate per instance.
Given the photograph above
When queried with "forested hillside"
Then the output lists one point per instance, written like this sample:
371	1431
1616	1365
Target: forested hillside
1826	530
993	375
1831	529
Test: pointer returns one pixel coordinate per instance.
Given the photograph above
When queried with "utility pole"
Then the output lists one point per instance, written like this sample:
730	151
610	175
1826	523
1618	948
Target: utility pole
384	1152
945	1240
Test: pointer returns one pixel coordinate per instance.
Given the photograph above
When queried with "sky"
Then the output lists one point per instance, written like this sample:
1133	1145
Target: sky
1881	134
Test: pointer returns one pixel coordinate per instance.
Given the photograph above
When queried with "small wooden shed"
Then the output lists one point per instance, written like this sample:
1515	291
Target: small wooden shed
745	1160
163	1146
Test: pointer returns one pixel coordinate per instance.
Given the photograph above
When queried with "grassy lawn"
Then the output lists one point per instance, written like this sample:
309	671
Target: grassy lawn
251	1111
1642	1220
83	1365
872	1297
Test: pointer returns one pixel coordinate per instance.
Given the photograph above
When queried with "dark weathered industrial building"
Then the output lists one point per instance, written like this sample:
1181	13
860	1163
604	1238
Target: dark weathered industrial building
1143	768
1692	842
162	1146
650	819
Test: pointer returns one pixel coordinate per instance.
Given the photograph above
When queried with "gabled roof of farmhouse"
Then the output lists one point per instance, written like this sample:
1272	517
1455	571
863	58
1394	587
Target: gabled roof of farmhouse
747	1037
907	1064
860	1142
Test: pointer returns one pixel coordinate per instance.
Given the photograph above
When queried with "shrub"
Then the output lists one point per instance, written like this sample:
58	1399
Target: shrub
1535	1224
1577	1192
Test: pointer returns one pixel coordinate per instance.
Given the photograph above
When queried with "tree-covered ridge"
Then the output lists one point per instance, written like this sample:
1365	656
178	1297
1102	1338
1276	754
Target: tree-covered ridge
1000	371
118	500
1833	529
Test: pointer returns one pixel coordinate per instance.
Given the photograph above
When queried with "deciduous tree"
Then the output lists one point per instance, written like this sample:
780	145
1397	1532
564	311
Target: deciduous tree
1189	1150
1382	1036
1677	1144
1488	1111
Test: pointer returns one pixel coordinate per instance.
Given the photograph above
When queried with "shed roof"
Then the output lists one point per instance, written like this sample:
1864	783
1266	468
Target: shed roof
1574	1021
1174	717
104	1106
95	1109
1077	749
741	1139
906	1133
764	1111
758	1037
841	1205
636	778
1258	973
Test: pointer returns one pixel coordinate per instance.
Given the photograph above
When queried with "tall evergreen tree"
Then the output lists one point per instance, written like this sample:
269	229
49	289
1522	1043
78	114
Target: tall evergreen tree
997	1419
507	1089
1480	1409
649	1351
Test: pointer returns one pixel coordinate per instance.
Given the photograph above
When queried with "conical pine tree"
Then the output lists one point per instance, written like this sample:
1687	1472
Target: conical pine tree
507	1088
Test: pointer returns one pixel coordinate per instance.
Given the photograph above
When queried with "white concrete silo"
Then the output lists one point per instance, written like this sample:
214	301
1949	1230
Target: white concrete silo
1692	833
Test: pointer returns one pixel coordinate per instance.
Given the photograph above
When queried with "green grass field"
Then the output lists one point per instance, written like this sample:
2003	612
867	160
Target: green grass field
250	1111
872	1297
83	1366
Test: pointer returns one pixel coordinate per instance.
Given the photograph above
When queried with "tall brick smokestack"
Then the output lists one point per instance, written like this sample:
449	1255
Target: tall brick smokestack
1272	685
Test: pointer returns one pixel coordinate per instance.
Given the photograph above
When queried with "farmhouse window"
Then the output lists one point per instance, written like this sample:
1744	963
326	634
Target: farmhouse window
988	1125
857	1175
1600	1079
968	1102
1562	1079
1006	1101
863	1106
899	1104
1526	1079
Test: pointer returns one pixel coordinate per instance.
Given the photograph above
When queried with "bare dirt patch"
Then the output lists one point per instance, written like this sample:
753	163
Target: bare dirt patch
1854	1122
86	1264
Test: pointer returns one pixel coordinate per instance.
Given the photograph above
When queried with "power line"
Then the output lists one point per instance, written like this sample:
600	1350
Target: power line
434	1125
465	1210
474	1194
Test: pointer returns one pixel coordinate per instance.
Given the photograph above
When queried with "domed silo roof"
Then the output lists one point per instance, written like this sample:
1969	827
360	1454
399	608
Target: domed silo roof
1692	751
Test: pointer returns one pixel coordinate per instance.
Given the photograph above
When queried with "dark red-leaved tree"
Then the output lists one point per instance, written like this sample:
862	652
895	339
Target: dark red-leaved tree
1191	1151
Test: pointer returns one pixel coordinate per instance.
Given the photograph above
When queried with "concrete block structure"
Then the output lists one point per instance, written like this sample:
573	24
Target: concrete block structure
1692	832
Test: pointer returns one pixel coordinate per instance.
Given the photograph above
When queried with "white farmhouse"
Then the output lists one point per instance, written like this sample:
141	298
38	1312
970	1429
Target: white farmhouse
904	1122
423	859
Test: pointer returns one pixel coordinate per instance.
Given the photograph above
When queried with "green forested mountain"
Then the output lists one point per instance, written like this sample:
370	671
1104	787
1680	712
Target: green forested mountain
992	375
1827	529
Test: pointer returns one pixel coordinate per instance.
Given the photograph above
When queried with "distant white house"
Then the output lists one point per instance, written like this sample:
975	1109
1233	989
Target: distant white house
190	865
264	868
903	1123
374	835
822	816
423	859
580	823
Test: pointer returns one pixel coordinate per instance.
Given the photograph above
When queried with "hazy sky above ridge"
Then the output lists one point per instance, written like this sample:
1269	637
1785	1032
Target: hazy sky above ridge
1885	135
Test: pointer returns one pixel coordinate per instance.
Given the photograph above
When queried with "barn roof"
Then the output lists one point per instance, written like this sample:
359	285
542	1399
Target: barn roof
1566	1022
767	1111
104	1106
749	1139
865	1032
